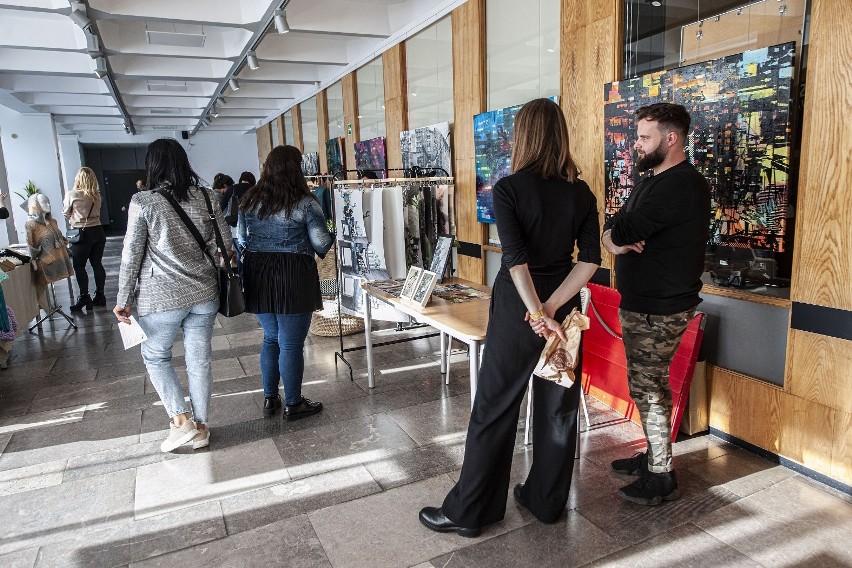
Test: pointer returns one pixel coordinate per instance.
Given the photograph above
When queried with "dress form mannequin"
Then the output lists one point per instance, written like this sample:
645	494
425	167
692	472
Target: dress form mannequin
46	243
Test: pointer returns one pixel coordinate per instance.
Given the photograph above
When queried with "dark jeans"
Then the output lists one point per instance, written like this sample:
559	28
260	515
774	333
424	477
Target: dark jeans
282	357
89	249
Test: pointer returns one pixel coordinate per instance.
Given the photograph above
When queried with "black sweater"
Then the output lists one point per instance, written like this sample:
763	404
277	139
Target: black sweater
539	220
671	213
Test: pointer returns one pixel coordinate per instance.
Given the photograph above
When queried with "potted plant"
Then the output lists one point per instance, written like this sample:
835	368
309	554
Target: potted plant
29	190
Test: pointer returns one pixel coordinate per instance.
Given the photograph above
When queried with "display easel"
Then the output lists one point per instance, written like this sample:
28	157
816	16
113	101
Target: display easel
414	174
54	307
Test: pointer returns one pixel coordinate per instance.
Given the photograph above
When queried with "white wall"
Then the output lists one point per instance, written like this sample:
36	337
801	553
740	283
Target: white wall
30	153
210	151
70	158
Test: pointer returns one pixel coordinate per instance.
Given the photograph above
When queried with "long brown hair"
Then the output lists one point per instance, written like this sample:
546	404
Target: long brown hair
541	141
281	184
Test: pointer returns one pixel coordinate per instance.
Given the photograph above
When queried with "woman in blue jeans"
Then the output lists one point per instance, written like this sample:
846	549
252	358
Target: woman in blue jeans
281	226
174	285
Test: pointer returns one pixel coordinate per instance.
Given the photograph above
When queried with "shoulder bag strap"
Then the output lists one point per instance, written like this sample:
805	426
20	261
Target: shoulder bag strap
186	221
220	244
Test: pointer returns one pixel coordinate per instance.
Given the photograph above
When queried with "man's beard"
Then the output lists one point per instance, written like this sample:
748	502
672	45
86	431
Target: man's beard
651	160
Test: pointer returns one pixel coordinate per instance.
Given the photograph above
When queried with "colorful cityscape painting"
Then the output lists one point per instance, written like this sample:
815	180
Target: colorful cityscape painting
334	155
739	139
493	133
370	155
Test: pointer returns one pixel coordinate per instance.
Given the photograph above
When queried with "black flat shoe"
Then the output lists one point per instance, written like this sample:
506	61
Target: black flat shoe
271	406
433	519
304	409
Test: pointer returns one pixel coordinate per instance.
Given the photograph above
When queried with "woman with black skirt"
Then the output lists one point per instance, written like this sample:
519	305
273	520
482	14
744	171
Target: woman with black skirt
281	226
542	211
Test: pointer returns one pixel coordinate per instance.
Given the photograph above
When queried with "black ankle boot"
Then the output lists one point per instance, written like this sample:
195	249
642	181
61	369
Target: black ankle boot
83	301
99	299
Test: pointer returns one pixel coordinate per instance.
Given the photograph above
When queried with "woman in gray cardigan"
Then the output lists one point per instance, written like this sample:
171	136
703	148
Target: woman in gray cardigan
174	285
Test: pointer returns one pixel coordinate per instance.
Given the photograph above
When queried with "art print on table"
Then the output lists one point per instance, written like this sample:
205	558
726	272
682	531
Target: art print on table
428	148
370	155
335	159
441	256
493	136
739	139
424	288
310	164
411	281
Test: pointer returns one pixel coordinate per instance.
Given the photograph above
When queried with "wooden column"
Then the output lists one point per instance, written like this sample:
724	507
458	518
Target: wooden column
590	57
296	114
264	143
396	102
350	120
469	98
282	136
322	128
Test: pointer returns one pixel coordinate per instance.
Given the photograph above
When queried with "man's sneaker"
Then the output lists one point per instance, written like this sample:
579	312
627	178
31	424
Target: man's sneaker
635	465
652	489
271	406
305	408
202	439
179	436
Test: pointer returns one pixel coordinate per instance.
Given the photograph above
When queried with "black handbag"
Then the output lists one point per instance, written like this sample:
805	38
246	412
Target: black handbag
74	234
231	299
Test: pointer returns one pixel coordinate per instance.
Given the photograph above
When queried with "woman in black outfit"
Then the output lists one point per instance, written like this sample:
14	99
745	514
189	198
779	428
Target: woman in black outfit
82	209
542	210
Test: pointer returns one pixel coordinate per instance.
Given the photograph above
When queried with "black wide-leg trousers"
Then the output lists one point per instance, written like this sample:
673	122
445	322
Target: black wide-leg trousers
511	353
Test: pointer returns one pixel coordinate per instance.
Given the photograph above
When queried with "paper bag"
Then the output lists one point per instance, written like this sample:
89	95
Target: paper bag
559	358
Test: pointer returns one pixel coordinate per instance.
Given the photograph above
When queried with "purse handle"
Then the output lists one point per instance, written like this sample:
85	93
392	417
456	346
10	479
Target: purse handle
220	244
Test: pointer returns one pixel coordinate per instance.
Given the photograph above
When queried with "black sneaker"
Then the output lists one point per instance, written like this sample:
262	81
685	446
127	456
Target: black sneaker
305	408
652	489
635	465
271	406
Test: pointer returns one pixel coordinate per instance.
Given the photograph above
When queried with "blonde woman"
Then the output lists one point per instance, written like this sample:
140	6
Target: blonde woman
82	209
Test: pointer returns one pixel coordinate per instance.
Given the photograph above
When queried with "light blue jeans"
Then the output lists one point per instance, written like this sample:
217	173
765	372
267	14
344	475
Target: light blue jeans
161	328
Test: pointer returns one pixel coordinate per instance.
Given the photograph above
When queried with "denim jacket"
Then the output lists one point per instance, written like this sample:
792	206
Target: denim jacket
304	232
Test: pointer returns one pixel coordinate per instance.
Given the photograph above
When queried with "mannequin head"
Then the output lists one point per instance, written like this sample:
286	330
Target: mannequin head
38	207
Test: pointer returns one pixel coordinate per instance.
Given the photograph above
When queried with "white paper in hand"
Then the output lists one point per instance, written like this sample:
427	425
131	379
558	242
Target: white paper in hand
132	334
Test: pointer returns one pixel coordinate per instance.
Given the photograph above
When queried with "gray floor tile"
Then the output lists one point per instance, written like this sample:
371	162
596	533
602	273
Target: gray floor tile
572	541
740	472
118	459
435	421
699	449
686	546
90	392
291	542
31	477
134	541
419	463
206	476
20	559
4	439
39	420
342	444
36	445
265	506
790	523
56	513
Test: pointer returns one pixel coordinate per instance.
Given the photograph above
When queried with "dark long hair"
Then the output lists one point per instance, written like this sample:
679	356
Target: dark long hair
281	184
222	181
541	141
166	163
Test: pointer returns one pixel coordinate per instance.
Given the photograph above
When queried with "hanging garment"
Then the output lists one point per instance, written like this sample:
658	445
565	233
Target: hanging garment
411	213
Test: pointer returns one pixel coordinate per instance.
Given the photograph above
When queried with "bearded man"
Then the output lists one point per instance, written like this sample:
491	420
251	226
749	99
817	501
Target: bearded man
658	237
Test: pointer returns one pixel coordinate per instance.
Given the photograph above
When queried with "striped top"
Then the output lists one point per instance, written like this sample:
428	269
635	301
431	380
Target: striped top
162	266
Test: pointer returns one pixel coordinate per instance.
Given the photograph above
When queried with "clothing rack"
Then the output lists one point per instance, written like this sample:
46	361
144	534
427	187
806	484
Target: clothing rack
339	354
414	172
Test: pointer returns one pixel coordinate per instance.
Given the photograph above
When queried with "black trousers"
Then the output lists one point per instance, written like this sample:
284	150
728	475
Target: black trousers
511	353
89	249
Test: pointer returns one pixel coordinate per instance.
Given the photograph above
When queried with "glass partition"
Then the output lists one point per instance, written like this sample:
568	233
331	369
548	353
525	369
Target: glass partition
334	98
310	136
371	99
429	69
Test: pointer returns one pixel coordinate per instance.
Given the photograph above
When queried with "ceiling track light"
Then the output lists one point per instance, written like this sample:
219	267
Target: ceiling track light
205	122
93	46
213	112
78	16
222	101
100	67
280	20
252	61
234	84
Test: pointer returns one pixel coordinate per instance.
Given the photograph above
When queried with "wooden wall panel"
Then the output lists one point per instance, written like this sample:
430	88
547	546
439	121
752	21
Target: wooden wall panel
282	135
322	129
264	143
350	119
396	102
822	269
469	73
819	369
841	447
296	115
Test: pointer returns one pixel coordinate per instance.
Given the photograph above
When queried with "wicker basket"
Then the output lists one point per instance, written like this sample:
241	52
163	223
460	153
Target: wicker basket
324	323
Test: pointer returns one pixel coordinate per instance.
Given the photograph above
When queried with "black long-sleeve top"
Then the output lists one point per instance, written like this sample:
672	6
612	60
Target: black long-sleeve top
539	221
670	211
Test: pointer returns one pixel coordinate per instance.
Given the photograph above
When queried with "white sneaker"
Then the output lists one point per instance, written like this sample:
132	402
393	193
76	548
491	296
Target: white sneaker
202	439
179	436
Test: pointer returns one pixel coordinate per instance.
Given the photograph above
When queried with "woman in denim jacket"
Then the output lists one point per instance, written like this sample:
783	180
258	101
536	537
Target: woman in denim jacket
281	225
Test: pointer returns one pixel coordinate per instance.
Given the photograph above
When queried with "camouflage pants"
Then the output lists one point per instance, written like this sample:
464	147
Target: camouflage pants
650	343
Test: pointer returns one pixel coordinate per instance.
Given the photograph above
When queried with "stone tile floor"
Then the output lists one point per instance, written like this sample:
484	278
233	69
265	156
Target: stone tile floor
83	483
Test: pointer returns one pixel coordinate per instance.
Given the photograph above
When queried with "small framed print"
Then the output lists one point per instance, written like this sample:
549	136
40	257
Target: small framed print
441	256
411	281
425	285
